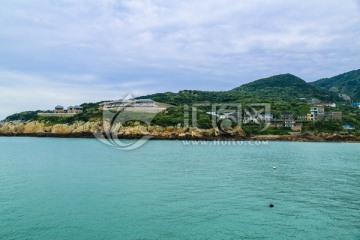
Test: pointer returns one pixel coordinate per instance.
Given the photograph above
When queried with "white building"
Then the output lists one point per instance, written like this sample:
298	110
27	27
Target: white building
129	103
317	112
329	104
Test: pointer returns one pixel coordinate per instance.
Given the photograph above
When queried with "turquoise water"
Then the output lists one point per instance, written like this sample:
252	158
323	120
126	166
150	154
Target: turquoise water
83	189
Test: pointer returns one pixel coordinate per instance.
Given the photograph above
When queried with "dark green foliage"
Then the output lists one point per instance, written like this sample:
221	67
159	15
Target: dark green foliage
54	120
171	117
323	126
23	116
282	87
175	116
282	91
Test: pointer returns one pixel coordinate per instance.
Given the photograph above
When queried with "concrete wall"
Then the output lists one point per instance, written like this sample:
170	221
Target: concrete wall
56	114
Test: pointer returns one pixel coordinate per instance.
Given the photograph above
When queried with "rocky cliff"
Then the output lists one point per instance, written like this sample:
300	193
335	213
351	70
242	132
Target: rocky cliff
86	129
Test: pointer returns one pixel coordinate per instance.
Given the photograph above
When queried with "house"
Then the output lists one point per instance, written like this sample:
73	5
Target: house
336	116
328	104
288	123
314	101
266	117
225	115
317	113
74	109
59	109
286	116
301	118
297	127
250	119
212	113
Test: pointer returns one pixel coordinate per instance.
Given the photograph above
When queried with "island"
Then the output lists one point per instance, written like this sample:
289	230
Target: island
281	107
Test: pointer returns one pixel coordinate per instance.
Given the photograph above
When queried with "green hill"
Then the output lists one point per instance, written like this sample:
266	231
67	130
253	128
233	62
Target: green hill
346	83
284	87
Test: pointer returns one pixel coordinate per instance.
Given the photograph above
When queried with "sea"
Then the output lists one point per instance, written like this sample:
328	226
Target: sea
54	188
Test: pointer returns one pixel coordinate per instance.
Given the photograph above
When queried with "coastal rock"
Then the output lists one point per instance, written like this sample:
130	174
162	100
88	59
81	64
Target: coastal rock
86	129
62	129
32	127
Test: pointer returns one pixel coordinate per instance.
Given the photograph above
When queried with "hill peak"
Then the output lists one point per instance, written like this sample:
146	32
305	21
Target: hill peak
281	80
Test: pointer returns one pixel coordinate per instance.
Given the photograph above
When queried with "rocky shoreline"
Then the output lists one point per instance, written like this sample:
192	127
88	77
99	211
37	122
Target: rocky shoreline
99	129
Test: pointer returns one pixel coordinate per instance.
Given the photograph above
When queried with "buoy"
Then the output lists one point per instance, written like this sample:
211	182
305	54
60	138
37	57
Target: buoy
271	205
274	168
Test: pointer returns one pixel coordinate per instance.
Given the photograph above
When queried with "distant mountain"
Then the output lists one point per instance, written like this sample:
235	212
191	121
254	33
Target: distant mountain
346	83
284	87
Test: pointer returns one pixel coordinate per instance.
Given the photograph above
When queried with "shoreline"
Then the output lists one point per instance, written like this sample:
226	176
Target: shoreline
301	137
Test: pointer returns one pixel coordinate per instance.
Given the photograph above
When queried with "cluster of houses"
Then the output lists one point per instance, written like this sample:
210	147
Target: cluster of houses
72	109
60	111
287	119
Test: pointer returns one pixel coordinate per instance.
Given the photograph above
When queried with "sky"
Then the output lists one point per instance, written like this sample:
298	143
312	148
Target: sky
72	51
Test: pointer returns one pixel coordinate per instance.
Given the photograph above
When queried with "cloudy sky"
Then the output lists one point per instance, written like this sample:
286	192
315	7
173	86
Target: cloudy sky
73	51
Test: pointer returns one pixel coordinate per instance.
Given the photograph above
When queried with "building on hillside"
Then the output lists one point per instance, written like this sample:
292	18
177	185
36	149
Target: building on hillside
297	127
328	104
314	101
250	119
317	113
59	109
267	117
286	116
336	116
134	105
301	118
129	103
308	117
74	109
226	115
288	123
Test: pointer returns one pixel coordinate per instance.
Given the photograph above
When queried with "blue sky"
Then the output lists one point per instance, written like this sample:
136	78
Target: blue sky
73	51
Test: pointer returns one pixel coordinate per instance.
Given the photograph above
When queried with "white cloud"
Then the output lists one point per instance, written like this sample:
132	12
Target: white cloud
23	92
217	43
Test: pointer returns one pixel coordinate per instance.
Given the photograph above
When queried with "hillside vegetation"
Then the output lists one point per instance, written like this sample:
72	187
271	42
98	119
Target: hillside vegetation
346	83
